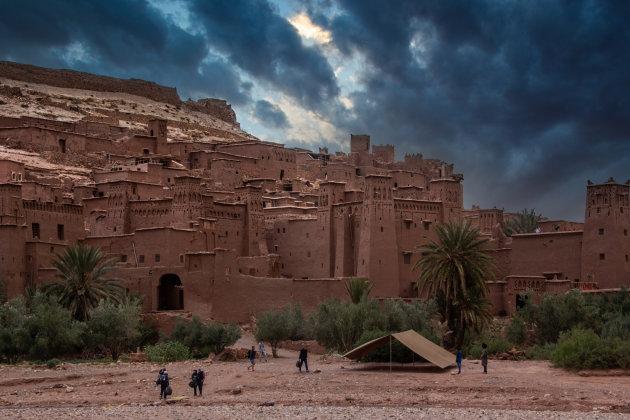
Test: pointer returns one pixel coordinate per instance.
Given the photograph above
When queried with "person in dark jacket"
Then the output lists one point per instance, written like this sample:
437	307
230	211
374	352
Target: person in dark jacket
303	358
484	357
163	382
201	376
252	358
194	381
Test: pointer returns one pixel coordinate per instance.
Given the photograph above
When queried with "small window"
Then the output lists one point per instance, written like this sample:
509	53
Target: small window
275	248
181	258
381	228
278	230
601	231
308	254
598	210
283	230
307	234
626	257
141	258
407	258
602	256
35	229
123	258
408	224
157	257
60	232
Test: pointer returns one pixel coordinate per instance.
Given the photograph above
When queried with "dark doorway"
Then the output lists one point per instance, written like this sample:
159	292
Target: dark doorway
281	174
170	293
62	145
521	300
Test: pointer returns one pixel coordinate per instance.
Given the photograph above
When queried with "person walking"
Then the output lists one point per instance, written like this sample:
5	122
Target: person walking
163	382
261	351
252	358
458	360
484	357
194	381
303	358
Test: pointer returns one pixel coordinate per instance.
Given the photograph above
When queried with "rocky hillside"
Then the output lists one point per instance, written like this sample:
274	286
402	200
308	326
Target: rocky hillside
67	95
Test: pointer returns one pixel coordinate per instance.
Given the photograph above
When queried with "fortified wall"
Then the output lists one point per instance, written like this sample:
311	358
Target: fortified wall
228	229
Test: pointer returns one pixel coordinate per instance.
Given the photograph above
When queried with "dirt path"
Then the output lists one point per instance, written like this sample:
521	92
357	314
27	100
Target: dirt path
527	386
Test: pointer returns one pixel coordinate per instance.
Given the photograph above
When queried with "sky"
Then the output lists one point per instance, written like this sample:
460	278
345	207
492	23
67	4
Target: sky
526	98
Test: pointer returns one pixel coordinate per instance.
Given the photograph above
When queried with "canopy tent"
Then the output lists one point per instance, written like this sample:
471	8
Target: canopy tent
414	342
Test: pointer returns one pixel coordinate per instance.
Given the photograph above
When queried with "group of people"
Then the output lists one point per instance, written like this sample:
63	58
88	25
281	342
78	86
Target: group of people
484	359
163	382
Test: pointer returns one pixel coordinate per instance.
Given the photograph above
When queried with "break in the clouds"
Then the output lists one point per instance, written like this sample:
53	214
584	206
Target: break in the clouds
527	99
270	115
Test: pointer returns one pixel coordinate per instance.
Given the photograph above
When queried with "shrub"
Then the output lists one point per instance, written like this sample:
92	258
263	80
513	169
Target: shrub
496	345
50	331
116	327
202	339
540	352
583	349
169	351
516	331
52	363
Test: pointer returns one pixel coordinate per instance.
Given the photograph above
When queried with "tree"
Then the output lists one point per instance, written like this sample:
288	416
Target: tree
523	222
273	327
454	270
116	327
358	289
83	285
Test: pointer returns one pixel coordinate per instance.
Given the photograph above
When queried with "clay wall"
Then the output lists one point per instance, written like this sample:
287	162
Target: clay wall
408	179
384	153
78	80
40	192
33	138
359	143
414	222
12	258
150	214
260	266
11	171
606	242
293	241
52	222
547	253
559	226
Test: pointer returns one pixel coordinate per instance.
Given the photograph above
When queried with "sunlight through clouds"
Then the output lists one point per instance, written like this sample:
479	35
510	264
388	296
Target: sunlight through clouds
308	30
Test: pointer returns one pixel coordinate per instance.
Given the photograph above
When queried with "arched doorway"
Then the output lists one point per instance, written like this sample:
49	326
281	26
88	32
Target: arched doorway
170	293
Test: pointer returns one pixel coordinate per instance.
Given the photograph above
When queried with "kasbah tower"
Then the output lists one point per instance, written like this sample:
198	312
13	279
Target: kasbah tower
206	219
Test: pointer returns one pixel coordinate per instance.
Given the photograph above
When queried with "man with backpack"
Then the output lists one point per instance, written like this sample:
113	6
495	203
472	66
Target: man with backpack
163	382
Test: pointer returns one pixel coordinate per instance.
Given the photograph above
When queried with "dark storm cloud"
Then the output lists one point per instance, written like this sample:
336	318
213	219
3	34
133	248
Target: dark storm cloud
524	97
121	38
270	115
265	45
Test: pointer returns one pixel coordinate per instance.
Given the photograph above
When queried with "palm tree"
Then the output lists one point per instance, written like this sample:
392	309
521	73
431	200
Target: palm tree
474	312
523	222
83	280
454	269
358	289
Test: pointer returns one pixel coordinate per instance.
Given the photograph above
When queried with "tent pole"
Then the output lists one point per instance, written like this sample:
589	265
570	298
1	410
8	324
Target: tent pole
390	354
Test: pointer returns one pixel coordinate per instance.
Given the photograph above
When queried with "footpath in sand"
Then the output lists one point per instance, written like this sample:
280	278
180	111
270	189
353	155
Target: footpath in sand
333	389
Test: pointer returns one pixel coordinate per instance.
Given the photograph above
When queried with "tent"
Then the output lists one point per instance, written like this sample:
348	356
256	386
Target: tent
414	342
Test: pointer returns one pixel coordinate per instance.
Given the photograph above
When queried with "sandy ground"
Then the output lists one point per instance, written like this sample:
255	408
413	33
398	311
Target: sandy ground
333	389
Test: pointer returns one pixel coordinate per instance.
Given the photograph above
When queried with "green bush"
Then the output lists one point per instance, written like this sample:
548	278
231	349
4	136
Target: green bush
516	331
202	339
338	325
115	327
496	345
169	351
52	363
583	349
540	352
